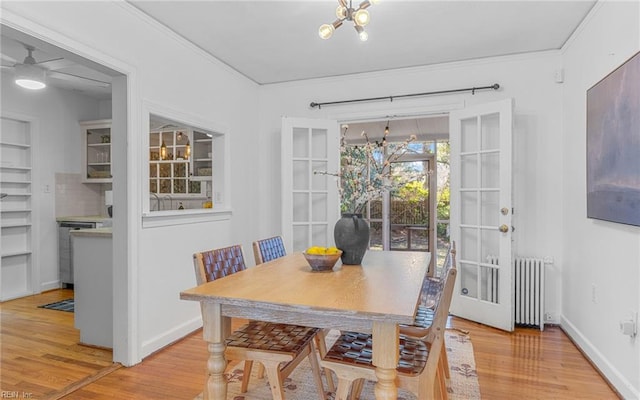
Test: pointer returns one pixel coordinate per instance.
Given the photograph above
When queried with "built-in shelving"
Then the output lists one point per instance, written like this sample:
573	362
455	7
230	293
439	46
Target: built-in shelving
16	272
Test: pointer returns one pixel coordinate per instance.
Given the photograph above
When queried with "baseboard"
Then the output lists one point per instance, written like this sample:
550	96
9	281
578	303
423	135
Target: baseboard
154	344
618	383
47	286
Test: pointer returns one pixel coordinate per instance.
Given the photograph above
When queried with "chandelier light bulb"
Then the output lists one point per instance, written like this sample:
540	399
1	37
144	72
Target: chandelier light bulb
361	33
325	31
341	12
361	17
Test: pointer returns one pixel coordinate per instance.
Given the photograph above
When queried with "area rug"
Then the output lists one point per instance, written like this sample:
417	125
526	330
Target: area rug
300	384
63	305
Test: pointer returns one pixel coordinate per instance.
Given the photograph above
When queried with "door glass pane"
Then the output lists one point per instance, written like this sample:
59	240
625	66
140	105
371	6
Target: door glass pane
489	284
319	207
469	208
300	175
489	246
165	185
469	244
469	135
468	280
300	207
490	132
300	237
319	143
490	170
300	142
490	208
398	237
319	181
319	235
469	166
375	236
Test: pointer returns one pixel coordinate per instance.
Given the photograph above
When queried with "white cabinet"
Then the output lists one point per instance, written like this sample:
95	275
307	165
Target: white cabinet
202	151
16	265
96	155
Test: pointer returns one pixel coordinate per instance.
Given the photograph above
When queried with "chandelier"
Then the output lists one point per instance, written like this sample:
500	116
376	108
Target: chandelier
359	16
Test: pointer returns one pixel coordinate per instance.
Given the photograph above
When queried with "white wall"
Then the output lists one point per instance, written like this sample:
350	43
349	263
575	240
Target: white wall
164	70
598	253
56	149
550	221
529	79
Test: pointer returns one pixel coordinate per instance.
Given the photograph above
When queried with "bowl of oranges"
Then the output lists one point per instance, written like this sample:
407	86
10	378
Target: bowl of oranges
322	258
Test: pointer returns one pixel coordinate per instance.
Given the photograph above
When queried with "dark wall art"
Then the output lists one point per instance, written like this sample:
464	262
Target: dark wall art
613	145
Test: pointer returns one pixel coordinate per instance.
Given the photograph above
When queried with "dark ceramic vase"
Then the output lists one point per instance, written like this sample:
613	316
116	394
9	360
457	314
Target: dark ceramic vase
351	234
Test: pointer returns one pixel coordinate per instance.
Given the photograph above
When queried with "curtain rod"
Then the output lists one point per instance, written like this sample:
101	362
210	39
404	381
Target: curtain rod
473	90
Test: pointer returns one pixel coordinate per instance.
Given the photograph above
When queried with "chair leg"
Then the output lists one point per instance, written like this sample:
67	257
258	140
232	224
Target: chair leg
315	368
445	362
276	382
342	393
441	384
246	375
260	372
322	348
356	388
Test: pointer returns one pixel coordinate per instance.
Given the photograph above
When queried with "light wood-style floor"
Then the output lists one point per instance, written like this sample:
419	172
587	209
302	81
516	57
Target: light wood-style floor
526	364
41	356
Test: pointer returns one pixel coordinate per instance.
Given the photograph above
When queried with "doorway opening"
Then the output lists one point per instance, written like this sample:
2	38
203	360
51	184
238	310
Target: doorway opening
414	216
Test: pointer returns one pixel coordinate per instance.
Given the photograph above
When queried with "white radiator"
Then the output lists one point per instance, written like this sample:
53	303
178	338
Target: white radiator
528	277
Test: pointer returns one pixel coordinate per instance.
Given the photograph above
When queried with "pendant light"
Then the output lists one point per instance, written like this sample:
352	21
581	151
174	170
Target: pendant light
28	74
163	151
187	150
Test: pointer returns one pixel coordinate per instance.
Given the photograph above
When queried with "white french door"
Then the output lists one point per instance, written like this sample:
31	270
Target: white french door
310	206
481	209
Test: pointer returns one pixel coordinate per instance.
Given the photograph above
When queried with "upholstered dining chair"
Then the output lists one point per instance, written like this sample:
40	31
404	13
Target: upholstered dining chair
269	249
419	369
279	347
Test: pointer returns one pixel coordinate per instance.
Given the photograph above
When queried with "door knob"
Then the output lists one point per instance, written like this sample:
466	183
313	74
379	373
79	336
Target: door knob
503	228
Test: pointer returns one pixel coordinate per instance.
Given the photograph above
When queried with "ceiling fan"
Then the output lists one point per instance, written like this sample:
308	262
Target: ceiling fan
33	75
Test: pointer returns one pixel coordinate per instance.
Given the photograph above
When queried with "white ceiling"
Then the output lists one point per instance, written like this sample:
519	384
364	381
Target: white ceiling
277	41
65	70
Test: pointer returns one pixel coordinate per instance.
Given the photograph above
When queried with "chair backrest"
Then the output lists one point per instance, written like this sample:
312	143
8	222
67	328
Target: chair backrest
218	263
268	249
449	259
447	283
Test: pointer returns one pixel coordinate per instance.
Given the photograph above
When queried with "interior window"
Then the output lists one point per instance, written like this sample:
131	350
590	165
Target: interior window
182	173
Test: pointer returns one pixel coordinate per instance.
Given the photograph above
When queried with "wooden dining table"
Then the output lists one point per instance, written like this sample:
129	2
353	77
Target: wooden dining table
374	297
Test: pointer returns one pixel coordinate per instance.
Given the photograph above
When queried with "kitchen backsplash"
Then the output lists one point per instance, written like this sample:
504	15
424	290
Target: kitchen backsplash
74	198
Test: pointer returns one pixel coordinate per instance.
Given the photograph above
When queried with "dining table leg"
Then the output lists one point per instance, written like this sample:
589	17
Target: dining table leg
216	328
385	356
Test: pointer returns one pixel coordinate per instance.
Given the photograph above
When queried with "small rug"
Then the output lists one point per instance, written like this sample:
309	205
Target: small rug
300	384
63	305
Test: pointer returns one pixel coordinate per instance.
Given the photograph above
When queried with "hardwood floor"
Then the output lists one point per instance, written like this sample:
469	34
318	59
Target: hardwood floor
526	364
529	364
40	354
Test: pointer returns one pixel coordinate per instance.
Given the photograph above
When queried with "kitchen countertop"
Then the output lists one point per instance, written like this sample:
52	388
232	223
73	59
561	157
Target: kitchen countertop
97	232
85	218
